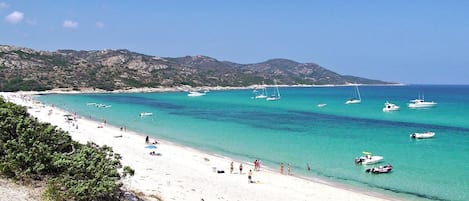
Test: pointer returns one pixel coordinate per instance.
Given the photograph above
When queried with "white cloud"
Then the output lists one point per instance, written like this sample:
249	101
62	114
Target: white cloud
14	17
70	24
3	5
100	25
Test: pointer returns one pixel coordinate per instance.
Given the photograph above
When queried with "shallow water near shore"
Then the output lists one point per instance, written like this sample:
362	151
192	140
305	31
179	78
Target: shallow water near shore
294	130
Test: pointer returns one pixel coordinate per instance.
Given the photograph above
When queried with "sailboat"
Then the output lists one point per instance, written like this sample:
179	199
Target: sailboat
263	93
276	95
355	100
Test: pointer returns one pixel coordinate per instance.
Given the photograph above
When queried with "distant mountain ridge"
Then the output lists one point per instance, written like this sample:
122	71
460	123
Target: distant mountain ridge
28	69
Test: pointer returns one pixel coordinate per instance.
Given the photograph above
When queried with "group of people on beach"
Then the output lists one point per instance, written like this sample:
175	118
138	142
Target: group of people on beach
257	165
289	168
282	171
147	140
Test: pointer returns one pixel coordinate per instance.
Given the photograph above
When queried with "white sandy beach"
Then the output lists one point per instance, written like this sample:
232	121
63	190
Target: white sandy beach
181	173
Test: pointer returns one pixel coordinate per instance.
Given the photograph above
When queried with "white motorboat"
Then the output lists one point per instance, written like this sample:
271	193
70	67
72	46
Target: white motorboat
422	135
355	100
368	159
380	169
144	114
421	103
195	94
102	105
390	107
322	105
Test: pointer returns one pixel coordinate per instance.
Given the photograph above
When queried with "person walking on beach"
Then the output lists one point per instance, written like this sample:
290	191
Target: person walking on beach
281	168
240	168
250	177
147	140
231	167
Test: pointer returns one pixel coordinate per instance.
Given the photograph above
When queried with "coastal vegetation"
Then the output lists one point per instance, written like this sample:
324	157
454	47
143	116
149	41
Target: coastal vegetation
31	151
28	69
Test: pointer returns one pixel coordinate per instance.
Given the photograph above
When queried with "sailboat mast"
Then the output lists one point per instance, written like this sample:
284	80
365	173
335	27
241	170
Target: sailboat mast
358	92
276	88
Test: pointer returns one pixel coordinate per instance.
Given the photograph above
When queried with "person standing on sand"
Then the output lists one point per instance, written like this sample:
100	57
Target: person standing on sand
147	139
231	167
281	168
240	168
250	177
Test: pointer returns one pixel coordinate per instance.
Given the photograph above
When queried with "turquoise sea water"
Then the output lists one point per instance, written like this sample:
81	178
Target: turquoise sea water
294	130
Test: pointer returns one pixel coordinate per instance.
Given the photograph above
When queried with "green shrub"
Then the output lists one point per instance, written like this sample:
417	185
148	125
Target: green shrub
33	150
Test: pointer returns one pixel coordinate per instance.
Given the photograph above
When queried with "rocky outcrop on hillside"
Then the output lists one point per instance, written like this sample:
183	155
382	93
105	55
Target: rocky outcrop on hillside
28	69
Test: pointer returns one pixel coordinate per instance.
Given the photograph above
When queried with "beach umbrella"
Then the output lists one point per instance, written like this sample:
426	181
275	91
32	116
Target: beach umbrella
150	147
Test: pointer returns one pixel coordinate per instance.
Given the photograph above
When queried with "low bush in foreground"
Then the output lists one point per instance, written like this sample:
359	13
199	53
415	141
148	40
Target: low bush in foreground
30	150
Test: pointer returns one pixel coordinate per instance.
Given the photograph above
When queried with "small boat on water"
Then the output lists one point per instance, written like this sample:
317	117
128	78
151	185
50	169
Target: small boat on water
390	107
422	135
322	105
421	103
368	159
260	96
144	114
380	169
355	100
102	105
195	94
276	95
263	92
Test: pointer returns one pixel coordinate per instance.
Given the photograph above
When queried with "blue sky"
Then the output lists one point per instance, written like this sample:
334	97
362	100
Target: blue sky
413	42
